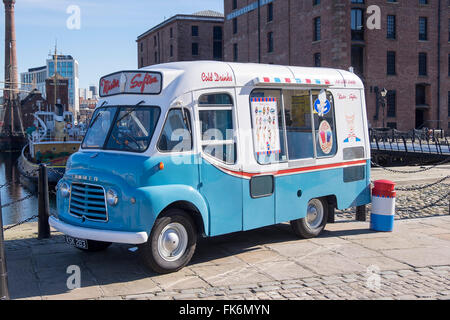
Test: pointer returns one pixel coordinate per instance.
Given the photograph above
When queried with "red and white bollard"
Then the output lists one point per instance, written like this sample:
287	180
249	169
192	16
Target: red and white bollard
383	206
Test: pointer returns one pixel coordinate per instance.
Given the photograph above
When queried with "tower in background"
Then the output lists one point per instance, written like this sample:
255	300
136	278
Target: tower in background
11	76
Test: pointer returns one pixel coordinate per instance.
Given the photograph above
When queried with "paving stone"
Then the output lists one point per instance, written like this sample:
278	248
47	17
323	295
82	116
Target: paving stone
266	288
291	286
295	269
185	296
243	286
140	297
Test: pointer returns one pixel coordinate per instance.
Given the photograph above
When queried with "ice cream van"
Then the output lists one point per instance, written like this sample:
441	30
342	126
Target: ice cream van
184	150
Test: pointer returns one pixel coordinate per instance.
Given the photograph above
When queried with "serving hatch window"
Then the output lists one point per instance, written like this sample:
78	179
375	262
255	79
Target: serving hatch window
304	127
122	128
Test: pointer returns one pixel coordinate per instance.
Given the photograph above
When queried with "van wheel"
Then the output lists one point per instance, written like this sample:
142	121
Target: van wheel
315	220
171	243
94	246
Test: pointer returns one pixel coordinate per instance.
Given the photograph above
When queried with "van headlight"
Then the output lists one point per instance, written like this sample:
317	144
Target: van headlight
64	189
111	197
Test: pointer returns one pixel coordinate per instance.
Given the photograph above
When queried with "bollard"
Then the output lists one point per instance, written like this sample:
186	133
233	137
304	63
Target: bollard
4	294
43	214
383	206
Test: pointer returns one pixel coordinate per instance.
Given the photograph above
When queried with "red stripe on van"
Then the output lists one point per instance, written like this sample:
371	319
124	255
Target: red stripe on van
294	170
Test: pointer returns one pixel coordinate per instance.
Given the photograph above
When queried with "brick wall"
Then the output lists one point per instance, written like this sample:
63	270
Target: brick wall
292	28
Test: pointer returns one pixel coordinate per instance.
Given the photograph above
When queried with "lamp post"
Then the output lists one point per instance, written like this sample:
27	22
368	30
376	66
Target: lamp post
383	94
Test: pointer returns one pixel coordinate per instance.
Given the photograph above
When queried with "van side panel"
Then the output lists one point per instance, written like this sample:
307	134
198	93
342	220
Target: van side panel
223	195
294	191
178	181
160	197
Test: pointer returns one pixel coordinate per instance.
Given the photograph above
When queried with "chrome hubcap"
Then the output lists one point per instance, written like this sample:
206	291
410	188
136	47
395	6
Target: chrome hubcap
314	214
172	241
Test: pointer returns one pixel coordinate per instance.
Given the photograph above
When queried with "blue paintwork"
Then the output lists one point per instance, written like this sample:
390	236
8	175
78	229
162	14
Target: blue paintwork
314	185
223	193
139	177
223	200
381	222
258	212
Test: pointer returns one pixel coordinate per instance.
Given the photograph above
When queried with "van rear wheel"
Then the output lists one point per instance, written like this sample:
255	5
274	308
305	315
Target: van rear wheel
171	243
315	220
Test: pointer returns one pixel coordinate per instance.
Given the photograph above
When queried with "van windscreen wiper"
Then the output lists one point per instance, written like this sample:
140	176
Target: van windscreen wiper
129	111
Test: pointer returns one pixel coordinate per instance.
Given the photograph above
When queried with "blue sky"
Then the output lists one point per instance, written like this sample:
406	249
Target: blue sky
106	40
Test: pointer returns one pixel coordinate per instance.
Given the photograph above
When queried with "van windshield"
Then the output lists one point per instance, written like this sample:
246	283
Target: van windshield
127	128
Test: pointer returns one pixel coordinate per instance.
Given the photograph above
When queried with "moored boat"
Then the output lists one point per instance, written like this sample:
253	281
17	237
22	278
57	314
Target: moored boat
51	140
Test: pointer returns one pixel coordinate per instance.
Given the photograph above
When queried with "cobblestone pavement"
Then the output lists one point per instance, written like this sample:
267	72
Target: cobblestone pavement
347	261
429	199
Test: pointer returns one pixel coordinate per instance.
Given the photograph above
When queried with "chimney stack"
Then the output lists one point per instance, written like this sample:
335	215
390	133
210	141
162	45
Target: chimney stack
11	76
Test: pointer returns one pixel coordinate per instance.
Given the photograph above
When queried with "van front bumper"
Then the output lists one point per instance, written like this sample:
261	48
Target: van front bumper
98	234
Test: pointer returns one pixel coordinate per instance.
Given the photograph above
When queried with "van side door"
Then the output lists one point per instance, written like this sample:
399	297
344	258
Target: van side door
219	168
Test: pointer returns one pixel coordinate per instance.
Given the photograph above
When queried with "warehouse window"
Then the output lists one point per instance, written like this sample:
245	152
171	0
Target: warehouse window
422	64
270	42
391	27
390	63
317	27
423	22
391	98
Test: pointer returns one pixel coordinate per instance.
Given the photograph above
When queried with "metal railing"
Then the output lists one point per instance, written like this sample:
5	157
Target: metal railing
424	141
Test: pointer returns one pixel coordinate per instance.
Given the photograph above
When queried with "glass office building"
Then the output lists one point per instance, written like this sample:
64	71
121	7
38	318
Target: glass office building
68	68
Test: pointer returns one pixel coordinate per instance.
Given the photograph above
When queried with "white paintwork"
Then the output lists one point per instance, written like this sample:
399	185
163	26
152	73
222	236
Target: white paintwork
184	82
383	206
97	234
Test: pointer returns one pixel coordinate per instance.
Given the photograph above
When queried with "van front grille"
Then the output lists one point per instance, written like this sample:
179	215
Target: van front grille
88	201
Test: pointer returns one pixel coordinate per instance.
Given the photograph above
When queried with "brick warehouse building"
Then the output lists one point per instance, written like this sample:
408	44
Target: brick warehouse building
402	56
183	38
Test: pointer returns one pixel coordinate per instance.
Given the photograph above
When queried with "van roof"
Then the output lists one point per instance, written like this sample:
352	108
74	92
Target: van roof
206	74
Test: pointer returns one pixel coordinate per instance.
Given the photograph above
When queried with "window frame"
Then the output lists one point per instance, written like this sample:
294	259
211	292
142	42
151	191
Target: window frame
114	120
189	117
284	130
422	64
391	63
270	44
357	17
317	29
218	107
391	35
195	30
423	36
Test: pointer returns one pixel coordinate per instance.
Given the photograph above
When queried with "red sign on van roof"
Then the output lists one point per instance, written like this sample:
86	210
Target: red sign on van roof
131	82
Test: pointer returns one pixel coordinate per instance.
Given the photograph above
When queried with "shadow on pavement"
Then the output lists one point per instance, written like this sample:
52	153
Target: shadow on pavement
36	268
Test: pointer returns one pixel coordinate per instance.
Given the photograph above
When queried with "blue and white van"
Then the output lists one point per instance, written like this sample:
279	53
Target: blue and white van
181	150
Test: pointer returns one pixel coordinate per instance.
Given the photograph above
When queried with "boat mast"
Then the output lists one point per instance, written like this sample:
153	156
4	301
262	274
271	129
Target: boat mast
56	78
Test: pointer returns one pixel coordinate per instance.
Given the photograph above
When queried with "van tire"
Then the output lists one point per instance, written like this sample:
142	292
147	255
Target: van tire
175	231
305	228
95	246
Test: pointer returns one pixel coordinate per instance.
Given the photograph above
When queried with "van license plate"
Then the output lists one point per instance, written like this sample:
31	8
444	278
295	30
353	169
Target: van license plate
79	243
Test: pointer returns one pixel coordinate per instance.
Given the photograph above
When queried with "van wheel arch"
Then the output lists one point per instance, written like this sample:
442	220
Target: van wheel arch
321	208
190	209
